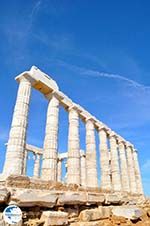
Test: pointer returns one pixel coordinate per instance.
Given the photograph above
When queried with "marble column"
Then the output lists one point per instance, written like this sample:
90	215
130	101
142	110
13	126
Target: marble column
59	170
25	162
49	165
115	170
83	170
36	173
73	161
123	166
130	164
104	160
14	162
137	173
91	166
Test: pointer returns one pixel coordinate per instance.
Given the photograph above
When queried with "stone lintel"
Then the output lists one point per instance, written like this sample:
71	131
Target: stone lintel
39	80
62	156
34	149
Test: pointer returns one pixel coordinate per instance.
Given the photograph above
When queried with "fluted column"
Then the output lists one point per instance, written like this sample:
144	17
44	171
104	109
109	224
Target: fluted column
83	170
14	163
130	162
73	161
104	160
49	165
25	162
36	173
137	173
115	170
91	167
123	166
59	170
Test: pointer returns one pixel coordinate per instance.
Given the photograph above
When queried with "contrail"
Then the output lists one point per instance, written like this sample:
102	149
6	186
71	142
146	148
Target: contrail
93	73
33	14
133	83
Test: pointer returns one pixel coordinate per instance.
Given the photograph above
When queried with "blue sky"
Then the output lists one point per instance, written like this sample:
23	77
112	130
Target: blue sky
97	51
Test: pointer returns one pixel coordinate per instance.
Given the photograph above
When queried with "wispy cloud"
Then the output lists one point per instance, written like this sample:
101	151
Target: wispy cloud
34	13
98	74
116	76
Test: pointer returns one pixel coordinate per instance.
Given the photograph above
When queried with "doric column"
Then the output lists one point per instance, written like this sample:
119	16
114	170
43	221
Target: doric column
49	165
123	166
130	164
14	163
91	166
59	170
25	162
36	173
137	173
104	160
83	170
73	161
115	170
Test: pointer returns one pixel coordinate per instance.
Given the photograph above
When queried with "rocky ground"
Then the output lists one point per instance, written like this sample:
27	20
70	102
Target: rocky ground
49	203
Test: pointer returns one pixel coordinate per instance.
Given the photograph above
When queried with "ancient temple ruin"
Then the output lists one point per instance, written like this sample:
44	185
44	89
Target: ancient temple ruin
119	164
86	197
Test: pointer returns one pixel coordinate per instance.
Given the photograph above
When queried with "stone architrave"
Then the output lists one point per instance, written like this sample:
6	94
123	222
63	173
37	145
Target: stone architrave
83	170
14	162
137	173
115	170
49	165
73	161
91	166
104	160
59	170
36	173
123	166
131	170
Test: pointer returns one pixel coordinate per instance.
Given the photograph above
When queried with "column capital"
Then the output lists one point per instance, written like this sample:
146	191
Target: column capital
112	134
135	150
52	94
120	140
26	75
103	128
90	123
73	107
128	144
59	159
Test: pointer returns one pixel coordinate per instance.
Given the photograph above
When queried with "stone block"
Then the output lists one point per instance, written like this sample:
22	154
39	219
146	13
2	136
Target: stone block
94	223
95	214
54	218
18	181
72	198
4	195
113	199
131	213
105	211
29	198
93	198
